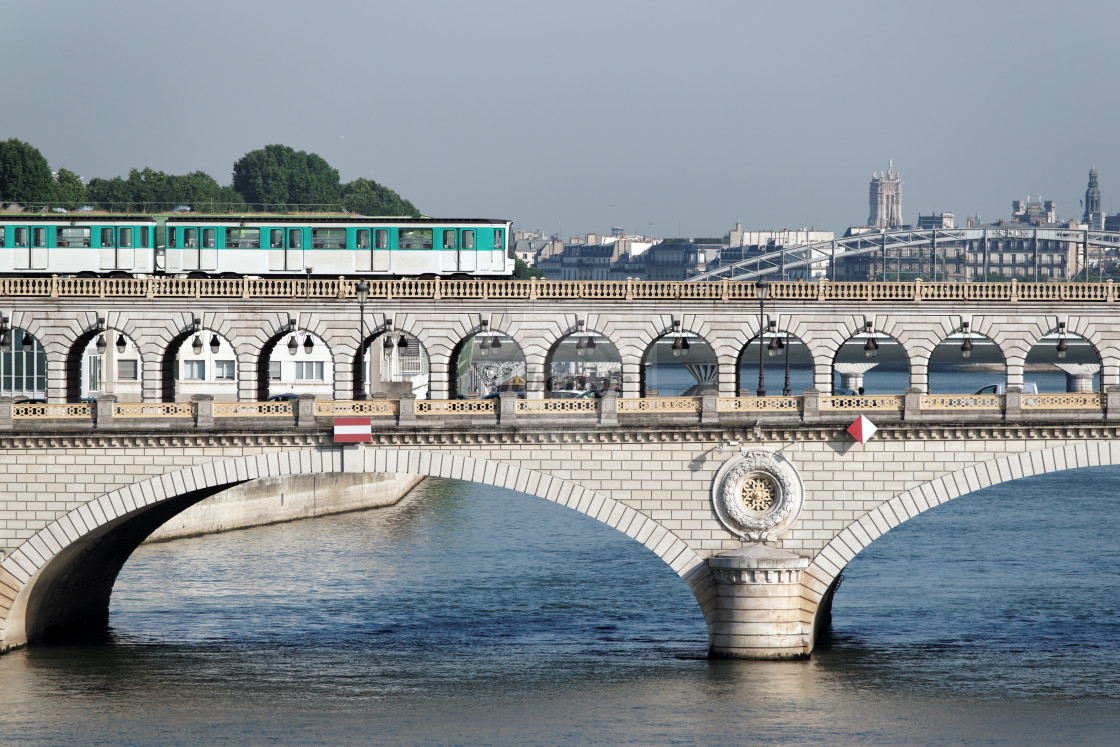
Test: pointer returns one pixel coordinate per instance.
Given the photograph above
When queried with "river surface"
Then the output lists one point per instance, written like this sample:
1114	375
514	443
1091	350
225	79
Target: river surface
469	614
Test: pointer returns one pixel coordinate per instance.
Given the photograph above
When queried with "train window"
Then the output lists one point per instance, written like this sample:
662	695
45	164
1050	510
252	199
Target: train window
498	239
144	236
295	238
190	238
328	238
21	237
72	236
449	239
126	237
414	238
382	237
1	236
468	239
39	237
171	237
245	238
209	238
276	238
362	238
106	237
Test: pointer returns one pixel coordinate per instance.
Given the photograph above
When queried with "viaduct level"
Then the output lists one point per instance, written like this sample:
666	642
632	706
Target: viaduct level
758	503
253	318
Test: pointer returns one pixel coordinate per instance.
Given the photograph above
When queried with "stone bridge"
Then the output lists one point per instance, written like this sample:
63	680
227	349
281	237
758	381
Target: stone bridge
758	503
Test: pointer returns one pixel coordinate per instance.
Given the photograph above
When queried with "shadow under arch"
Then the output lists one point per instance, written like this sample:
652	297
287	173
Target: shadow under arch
74	355
825	569
66	571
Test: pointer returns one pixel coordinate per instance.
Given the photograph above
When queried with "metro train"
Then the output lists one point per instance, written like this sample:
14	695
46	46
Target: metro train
194	245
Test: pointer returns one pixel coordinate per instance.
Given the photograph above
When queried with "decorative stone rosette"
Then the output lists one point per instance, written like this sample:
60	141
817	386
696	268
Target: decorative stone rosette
757	495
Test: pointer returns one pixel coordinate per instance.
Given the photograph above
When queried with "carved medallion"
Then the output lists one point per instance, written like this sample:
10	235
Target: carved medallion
757	495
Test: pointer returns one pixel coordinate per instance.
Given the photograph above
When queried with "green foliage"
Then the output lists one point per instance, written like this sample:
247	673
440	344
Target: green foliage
522	270
276	177
367	197
68	191
155	191
25	176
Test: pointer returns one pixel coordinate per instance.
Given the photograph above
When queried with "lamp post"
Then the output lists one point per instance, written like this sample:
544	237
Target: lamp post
786	391
363	294
1063	346
762	288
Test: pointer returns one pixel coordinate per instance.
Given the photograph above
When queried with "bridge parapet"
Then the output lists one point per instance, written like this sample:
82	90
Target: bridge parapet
812	407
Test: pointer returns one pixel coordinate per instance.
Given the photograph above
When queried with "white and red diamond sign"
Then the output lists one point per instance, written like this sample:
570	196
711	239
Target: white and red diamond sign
353	430
862	429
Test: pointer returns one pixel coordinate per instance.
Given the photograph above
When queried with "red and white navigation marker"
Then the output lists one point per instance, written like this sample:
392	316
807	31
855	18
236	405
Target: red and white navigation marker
862	429
353	430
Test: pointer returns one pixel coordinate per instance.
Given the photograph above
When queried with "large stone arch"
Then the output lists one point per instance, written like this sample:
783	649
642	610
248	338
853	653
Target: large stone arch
820	577
63	575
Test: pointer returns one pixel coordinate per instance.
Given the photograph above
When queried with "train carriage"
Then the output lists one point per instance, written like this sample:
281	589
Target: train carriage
76	243
191	244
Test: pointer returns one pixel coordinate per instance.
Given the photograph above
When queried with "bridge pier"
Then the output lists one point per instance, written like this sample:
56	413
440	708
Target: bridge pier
754	610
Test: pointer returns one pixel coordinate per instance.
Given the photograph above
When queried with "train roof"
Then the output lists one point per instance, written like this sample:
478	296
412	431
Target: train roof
271	218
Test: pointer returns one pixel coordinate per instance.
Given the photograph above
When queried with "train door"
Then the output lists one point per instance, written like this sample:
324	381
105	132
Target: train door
380	250
144	260
363	257
293	256
449	255
276	249
188	247
468	255
498	255
107	247
126	247
39	252
21	243
208	249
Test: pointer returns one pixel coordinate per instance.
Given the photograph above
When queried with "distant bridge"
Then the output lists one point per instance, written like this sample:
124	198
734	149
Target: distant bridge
824	253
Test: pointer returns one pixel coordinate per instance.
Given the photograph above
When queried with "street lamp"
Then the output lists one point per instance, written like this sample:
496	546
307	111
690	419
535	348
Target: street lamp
786	391
5	338
762	288
1063	346
966	346
363	293
871	347
122	343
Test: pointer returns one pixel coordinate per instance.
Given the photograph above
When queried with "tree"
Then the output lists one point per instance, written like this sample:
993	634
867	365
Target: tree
277	176
155	191
522	270
367	197
69	192
25	176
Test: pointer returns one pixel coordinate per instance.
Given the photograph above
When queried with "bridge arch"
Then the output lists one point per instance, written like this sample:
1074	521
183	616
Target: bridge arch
825	568
65	572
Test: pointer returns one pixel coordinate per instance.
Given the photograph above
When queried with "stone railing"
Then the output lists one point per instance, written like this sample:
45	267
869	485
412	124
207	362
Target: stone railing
811	407
546	290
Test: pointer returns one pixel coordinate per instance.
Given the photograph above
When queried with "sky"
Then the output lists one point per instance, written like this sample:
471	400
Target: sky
664	118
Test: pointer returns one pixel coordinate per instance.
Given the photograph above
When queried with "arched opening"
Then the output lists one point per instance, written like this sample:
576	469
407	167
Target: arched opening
679	364
103	362
967	362
295	362
870	362
927	597
582	365
486	364
23	367
204	363
785	358
1062	361
398	362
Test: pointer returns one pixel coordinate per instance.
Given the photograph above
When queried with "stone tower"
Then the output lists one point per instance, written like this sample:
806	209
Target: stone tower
886	199
1093	215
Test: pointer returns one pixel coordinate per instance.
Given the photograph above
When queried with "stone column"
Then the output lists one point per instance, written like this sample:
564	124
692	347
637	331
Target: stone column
103	411
811	404
1079	376
305	411
1013	401
203	410
507	407
6	422
709	406
912	403
851	374
406	408
608	408
756	608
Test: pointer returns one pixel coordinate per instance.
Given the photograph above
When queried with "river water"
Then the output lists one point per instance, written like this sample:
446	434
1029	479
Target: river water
469	614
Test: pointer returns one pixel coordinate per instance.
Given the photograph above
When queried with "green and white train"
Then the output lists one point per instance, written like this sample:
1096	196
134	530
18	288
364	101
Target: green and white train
264	245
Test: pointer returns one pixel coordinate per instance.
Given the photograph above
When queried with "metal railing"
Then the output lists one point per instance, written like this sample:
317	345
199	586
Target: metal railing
534	289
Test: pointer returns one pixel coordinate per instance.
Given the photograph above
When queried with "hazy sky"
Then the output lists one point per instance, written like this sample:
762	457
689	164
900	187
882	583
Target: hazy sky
680	117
